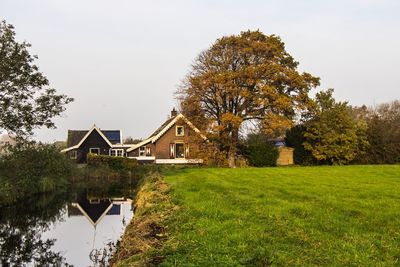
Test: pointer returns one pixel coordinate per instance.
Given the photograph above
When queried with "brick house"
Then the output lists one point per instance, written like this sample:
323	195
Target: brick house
176	141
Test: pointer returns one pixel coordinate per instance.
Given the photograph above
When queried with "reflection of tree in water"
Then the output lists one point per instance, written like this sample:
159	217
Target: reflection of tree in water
22	224
20	248
21	227
102	257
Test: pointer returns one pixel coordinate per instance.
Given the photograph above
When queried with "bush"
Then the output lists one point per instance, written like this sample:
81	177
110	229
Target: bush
259	151
31	168
118	164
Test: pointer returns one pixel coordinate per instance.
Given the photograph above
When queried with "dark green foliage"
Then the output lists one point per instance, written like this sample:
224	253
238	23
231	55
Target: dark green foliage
114	163
333	135
26	101
259	151
375	129
295	139
383	133
31	168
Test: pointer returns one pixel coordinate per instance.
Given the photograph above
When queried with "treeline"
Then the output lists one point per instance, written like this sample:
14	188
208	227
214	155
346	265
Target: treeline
337	133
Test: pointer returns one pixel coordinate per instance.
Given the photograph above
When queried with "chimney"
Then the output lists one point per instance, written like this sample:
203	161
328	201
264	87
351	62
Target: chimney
173	113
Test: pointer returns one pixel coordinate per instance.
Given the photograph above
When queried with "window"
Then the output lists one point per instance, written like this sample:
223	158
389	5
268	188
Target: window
73	154
179	151
94	150
117	152
142	151
148	151
180	131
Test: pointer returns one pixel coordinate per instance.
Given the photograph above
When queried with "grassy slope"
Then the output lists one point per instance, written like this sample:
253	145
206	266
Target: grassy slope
285	216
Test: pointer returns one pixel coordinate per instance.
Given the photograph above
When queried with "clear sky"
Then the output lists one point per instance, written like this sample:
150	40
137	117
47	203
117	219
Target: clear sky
122	60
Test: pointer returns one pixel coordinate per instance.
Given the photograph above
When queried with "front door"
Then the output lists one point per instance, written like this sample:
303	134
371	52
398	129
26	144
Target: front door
179	151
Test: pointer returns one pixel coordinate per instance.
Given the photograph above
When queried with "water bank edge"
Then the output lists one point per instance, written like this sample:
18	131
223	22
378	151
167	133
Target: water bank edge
147	231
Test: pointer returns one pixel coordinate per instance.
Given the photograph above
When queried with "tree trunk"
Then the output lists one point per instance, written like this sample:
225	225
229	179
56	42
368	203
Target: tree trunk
232	149
232	157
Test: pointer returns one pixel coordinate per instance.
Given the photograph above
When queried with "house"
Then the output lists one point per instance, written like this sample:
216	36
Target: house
96	141
176	141
95	209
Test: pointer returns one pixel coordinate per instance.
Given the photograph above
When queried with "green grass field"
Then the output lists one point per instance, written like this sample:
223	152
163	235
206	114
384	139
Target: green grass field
302	216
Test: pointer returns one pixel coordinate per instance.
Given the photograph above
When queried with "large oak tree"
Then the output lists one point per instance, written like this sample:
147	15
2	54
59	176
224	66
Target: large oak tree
245	77
26	100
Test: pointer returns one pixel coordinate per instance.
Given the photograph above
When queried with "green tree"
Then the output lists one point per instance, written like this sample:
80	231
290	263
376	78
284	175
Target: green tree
295	139
30	168
333	135
383	132
26	101
259	151
242	78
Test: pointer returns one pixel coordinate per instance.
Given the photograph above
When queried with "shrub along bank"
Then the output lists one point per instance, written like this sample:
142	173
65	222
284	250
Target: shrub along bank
100	166
28	169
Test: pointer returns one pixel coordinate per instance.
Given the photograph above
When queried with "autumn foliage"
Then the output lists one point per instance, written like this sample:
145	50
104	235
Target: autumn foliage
244	78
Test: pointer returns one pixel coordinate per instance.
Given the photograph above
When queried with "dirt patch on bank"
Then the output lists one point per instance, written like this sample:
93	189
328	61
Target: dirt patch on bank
147	230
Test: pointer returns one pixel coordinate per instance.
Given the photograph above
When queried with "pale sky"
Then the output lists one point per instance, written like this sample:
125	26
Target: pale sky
122	60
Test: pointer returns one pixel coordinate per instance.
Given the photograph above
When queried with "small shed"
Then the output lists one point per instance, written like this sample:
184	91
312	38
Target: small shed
285	156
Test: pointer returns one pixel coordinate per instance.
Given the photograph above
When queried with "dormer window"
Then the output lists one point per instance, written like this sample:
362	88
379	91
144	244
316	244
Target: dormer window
180	131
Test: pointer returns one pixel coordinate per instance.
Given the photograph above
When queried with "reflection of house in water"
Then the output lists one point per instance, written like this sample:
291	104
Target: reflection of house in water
95	209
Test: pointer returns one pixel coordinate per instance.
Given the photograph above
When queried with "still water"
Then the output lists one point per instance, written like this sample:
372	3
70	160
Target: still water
78	227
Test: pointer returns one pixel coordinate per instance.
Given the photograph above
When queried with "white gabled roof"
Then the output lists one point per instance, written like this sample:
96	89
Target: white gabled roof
135	146
79	207
165	129
94	128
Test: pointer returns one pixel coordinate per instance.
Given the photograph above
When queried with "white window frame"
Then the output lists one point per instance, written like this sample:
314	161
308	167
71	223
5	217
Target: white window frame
94	148
115	151
176	130
73	154
142	151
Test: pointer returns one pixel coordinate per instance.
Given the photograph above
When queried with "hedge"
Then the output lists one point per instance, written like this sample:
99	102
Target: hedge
114	163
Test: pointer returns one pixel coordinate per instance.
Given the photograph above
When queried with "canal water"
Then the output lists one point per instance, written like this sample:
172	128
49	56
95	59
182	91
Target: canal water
77	227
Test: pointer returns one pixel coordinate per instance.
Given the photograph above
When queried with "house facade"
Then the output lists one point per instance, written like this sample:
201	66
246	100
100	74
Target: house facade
176	141
95	141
